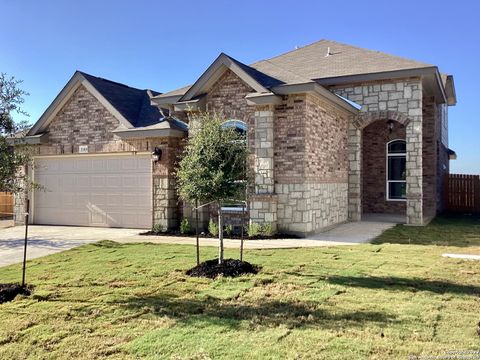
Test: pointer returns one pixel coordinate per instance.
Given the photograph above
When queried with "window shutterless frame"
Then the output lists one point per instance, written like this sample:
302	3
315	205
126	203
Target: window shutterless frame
241	127
395	149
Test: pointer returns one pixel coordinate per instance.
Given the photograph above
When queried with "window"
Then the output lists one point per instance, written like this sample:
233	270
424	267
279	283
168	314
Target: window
238	125
396	170
241	128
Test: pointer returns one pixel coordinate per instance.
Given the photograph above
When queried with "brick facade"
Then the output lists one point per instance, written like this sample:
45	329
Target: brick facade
298	154
311	164
374	177
430	143
83	120
315	165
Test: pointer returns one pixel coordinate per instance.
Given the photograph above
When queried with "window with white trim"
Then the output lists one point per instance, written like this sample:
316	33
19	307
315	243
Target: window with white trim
396	170
240	127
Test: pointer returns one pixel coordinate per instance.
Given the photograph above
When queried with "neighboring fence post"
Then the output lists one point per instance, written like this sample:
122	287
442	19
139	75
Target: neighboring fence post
462	193
477	194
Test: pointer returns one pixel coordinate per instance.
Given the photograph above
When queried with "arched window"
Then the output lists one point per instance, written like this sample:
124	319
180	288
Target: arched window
238	125
236	205
396	170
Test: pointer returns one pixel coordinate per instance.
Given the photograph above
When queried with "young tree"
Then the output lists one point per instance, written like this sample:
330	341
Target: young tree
213	165
11	99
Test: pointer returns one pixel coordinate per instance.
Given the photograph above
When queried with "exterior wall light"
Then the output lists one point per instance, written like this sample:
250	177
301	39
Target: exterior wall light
157	154
390	124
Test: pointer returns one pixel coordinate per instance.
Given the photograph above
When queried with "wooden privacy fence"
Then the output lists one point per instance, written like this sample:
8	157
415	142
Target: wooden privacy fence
462	193
6	204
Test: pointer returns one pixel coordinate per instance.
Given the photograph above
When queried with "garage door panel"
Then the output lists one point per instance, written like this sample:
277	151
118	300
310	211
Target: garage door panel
62	167
66	181
83	180
83	165
113	181
82	200
114	201
94	191
67	200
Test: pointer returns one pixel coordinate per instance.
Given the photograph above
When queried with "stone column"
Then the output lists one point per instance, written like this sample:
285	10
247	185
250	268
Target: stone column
354	172
263	204
414	164
164	202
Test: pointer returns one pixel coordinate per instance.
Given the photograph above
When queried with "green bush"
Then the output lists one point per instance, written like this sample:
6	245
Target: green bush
158	228
229	229
254	229
185	226
213	228
267	229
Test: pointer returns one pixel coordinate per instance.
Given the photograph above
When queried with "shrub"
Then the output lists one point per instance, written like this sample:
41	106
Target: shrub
185	226
254	229
213	228
267	229
229	229
157	228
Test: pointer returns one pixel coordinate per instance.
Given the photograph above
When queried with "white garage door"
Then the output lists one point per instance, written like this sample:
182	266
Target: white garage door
105	191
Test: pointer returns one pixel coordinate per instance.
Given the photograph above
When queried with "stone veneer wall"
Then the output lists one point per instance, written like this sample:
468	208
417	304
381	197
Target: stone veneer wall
374	147
83	120
311	207
401	99
311	165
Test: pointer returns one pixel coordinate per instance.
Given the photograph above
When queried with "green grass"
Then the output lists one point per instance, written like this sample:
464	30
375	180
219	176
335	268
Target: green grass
131	301
444	230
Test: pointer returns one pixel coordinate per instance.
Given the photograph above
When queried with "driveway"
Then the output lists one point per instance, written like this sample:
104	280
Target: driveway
45	240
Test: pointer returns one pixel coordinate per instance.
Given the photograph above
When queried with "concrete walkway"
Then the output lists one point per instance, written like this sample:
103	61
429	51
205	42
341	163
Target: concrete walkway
45	240
354	232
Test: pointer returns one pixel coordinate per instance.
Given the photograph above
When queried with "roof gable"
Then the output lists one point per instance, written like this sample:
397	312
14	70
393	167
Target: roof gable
257	80
130	106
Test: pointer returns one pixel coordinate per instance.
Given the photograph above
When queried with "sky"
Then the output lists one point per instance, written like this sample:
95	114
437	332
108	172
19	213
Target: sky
163	45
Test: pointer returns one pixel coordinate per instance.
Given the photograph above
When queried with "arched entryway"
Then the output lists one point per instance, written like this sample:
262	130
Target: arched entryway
378	128
383	168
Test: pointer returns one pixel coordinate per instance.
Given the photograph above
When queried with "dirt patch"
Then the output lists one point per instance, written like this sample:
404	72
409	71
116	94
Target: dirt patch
230	268
8	292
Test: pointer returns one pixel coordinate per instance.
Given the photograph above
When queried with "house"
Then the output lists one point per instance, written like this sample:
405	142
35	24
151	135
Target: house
335	132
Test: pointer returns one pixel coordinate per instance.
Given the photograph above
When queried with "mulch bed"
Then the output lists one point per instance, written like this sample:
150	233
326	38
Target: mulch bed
8	292
229	268
210	236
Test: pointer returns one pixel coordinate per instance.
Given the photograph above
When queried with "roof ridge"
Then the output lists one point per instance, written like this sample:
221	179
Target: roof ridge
344	44
114	82
377	52
284	69
290	51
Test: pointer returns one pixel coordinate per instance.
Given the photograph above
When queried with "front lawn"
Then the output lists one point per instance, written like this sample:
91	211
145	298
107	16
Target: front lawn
131	301
445	230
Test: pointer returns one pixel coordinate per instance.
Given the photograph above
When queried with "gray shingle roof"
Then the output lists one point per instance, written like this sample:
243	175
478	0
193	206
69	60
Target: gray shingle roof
310	62
176	92
259	76
133	104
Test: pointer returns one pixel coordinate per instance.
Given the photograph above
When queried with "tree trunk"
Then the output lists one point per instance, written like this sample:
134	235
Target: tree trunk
243	225
196	232
220	234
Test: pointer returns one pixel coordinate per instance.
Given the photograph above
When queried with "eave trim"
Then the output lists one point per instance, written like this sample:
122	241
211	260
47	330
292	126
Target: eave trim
213	73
